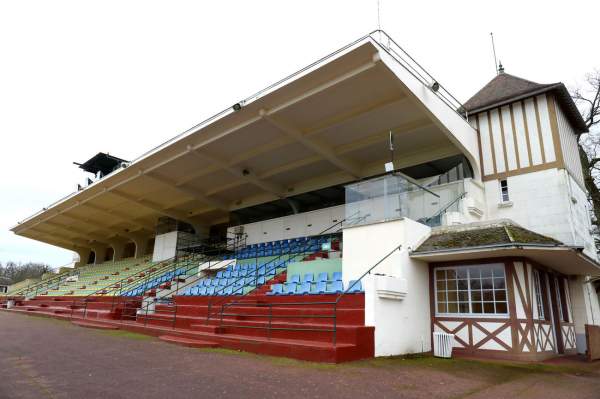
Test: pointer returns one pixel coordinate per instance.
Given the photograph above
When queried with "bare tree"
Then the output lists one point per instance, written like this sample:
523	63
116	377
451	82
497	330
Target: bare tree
15	272
587	99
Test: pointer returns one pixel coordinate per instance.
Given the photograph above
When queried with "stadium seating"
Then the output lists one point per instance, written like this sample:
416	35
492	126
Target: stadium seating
93	278
239	279
323	285
281	247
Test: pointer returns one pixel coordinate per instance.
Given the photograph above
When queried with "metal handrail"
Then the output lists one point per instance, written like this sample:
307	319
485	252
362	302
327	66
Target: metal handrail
47	282
446	207
274	265
85	299
296	254
333	303
191	264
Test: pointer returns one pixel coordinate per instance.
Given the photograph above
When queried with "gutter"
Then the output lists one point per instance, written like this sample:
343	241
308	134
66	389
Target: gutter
516	245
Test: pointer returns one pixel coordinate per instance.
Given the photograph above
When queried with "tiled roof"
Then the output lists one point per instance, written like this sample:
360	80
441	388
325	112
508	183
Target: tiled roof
506	88
493	234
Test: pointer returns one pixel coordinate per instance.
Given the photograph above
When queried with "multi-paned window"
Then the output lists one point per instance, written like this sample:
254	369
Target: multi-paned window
537	286
477	290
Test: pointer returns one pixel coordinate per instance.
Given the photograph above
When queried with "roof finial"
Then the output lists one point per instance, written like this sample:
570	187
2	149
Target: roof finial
500	68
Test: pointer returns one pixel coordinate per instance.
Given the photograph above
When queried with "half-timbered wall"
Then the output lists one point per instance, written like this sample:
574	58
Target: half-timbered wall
520	138
570	150
524	333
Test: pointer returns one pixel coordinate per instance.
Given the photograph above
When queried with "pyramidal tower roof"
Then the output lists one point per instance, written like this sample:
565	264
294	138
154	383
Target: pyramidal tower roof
506	88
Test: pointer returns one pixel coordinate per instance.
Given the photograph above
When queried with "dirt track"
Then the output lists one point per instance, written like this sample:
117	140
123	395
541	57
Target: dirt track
46	358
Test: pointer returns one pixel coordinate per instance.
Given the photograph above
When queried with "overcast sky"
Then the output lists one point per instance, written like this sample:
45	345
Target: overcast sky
77	78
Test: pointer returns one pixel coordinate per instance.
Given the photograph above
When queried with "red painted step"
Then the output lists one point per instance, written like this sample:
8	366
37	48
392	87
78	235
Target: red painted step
189	342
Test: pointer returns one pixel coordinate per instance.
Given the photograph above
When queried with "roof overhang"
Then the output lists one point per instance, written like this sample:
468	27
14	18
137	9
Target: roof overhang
325	125
564	259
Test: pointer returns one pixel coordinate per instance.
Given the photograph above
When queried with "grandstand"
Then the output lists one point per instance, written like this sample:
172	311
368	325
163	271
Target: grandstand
291	224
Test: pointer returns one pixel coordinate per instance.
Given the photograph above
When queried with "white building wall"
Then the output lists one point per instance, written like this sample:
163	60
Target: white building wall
547	202
397	291
293	226
585	308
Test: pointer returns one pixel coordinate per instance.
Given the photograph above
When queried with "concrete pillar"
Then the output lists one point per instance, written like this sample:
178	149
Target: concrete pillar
585	308
84	254
141	243
100	251
118	247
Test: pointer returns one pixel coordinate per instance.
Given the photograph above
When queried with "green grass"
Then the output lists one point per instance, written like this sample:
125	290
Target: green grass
493	372
124	334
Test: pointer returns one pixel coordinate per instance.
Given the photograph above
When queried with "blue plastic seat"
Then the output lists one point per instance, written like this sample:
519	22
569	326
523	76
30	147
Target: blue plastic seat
290	288
261	280
210	290
334	287
323	277
305	288
355	287
295	278
321	287
337	276
308	277
276	289
202	290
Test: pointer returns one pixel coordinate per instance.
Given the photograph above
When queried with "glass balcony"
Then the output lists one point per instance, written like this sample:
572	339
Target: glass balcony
395	196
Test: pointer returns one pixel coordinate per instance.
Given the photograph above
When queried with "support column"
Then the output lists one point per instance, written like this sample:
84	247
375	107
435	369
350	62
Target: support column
141	243
100	251
84	254
118	247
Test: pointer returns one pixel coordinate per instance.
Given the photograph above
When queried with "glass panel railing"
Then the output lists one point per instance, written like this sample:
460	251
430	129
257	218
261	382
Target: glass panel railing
396	196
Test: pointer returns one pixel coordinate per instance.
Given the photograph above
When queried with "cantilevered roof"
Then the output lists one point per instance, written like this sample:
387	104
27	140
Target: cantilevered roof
505	88
504	238
322	126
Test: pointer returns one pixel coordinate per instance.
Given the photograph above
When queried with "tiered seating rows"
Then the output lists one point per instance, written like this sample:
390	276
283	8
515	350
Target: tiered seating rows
94	277
275	248
155	282
308	285
238	280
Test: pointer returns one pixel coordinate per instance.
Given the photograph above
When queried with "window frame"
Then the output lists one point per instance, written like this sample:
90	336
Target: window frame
502	189
538	292
561	304
469	291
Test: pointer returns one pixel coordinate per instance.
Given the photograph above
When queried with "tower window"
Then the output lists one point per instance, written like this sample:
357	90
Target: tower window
504	197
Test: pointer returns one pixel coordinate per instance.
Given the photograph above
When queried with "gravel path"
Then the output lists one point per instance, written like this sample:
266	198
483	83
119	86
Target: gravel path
47	358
